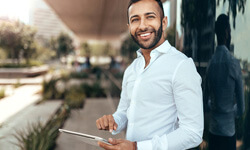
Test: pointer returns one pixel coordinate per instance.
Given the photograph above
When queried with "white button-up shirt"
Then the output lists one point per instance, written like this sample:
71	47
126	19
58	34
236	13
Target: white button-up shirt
161	105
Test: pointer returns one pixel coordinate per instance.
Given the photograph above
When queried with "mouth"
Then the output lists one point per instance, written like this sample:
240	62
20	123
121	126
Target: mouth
145	36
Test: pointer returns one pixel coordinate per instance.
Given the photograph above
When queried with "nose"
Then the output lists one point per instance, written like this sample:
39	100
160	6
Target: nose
143	24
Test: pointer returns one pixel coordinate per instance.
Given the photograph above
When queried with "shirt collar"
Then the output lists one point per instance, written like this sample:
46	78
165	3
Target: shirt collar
163	48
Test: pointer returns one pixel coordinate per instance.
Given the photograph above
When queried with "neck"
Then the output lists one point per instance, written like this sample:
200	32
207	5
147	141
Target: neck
146	52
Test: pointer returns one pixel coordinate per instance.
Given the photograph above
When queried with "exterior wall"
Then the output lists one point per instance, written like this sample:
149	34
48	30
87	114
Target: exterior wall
46	21
240	34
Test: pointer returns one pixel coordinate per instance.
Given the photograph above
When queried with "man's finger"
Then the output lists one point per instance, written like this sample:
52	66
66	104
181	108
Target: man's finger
111	124
115	141
102	124
115	126
98	124
106	146
105	121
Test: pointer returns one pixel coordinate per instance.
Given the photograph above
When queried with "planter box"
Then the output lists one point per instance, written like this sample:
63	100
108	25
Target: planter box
23	72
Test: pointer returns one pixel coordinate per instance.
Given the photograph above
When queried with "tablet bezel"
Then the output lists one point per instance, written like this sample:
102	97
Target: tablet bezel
86	136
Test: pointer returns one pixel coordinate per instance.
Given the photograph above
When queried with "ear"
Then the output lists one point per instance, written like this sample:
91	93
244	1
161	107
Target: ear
164	23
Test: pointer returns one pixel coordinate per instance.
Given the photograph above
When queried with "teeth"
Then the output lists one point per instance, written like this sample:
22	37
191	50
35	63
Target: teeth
146	34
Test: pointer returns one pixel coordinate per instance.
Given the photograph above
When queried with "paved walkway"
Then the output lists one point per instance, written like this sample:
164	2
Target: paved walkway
21	98
31	114
83	120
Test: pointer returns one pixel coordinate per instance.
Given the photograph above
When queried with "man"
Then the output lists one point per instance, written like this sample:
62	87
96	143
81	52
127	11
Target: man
223	85
161	98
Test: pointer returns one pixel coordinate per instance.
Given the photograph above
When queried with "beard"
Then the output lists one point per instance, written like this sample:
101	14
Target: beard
152	43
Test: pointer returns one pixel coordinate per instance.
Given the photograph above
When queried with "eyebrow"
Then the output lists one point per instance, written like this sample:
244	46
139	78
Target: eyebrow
134	16
148	13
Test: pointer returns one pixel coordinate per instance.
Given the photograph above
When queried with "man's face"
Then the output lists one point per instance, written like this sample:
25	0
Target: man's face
145	23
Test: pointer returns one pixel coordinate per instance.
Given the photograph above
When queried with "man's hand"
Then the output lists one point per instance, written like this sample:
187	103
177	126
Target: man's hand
118	144
106	122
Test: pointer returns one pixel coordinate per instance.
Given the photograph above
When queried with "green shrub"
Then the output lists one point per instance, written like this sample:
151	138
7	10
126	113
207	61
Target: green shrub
3	54
81	75
17	84
97	71
50	91
2	93
75	97
42	137
97	90
94	90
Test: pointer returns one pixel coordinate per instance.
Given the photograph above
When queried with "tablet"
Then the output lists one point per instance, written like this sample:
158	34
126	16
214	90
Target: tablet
89	139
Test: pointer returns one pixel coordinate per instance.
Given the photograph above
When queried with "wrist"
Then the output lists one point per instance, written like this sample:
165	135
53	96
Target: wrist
135	145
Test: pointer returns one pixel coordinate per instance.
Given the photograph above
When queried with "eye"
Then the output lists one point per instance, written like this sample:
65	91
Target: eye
135	20
150	17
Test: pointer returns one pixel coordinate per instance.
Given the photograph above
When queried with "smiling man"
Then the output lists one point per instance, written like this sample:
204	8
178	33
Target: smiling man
161	100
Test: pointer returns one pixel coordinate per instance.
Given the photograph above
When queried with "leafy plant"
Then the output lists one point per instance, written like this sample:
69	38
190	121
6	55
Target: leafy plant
75	97
64	44
17	84
2	93
17	38
50	91
94	90
79	75
39	136
128	49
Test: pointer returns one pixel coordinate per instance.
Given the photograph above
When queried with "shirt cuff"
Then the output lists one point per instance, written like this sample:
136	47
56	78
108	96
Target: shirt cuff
144	145
117	121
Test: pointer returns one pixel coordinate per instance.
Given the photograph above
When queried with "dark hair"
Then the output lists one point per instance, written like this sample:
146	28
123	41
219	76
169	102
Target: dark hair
135	1
221	25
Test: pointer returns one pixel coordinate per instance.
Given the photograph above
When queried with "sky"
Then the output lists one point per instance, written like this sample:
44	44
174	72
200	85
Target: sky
17	9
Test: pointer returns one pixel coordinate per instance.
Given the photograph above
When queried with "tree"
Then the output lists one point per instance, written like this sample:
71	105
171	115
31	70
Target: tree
128	48
107	49
232	7
29	44
170	35
64	44
17	38
85	49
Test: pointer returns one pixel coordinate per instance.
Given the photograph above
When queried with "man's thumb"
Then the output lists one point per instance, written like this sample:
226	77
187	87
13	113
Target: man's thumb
113	141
